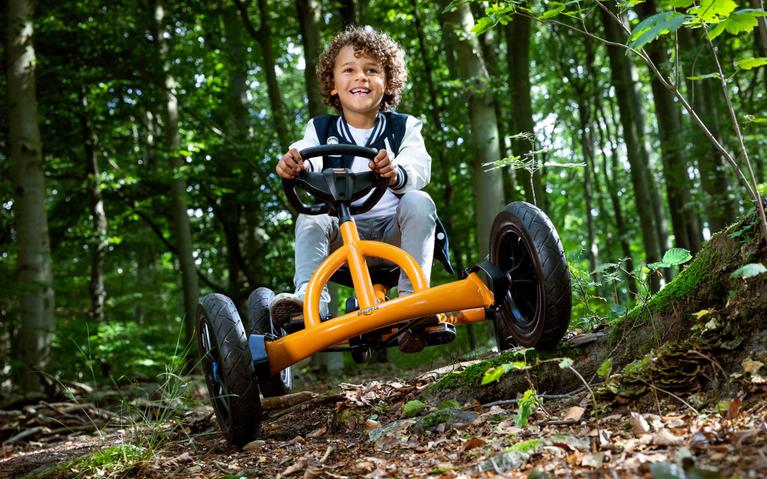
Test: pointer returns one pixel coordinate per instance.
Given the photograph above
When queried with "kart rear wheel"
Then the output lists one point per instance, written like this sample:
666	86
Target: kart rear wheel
228	369
535	312
260	323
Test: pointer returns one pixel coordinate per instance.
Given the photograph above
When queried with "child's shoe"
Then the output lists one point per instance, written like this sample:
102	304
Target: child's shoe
283	307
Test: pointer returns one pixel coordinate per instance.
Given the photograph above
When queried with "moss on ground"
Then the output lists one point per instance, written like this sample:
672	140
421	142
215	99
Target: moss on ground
112	461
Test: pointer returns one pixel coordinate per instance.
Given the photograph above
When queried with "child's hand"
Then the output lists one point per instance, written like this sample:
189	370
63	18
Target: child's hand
382	165
290	165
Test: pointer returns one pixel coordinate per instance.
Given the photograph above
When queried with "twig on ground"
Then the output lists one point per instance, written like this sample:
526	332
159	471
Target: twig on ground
325	456
672	395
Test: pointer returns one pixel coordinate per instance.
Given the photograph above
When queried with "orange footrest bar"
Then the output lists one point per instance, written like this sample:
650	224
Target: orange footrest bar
467	294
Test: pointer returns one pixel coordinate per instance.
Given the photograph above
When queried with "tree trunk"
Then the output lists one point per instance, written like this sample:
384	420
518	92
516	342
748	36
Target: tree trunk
100	236
720	204
633	134
264	39
518	33
33	268
237	120
352	12
309	19
488	186
684	220
181	226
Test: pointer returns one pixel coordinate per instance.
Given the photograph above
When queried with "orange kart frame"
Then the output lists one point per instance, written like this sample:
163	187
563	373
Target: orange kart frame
459	302
466	299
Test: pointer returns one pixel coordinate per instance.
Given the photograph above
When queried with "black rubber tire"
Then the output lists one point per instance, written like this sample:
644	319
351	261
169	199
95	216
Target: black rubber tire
260	323
228	369
536	310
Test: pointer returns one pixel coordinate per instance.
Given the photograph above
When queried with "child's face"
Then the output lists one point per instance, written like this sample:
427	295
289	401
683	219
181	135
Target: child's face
359	82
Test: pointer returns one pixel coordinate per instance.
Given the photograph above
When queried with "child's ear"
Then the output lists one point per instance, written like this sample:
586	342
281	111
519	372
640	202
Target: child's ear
333	92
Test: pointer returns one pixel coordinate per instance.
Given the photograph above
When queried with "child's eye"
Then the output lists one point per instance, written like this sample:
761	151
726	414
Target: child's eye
373	71
347	70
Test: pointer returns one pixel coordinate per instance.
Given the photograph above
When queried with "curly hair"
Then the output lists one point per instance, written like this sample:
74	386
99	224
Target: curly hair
369	42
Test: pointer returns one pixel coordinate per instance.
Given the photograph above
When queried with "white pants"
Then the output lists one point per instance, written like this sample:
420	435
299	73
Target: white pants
411	228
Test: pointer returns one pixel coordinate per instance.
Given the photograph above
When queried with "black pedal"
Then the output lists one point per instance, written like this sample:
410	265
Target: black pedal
442	333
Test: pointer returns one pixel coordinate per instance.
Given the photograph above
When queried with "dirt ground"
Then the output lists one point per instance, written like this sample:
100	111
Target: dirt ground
373	430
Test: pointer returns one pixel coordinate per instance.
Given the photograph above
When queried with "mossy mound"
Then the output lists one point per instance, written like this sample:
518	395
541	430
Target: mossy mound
691	336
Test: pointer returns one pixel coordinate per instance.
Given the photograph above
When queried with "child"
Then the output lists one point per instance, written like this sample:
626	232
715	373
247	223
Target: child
361	75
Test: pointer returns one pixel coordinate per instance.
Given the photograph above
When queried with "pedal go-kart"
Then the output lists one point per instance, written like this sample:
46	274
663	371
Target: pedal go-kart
523	286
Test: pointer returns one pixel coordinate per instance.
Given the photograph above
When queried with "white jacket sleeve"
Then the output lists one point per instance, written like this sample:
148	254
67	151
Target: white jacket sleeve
310	139
413	159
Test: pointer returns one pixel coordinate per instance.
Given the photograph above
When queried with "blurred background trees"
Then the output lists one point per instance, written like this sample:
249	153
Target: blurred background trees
160	124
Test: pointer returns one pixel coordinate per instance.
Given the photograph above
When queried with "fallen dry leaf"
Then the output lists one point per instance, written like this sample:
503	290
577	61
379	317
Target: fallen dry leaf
639	425
750	366
473	443
664	437
574	414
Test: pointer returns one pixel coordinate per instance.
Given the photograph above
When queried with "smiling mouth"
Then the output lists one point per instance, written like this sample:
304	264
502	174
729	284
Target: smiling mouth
360	91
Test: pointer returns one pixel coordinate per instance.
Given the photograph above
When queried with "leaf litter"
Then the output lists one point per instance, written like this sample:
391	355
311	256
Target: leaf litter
377	430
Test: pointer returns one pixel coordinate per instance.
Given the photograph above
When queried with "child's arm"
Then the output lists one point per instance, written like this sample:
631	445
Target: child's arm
291	164
385	167
413	161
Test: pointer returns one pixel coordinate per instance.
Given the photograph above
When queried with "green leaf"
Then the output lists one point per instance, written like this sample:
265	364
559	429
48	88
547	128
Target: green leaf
713	11
413	408
605	368
742	21
677	3
527	404
759	120
565	363
676	256
492	375
749	271
655	266
551	13
654	26
751	63
483	24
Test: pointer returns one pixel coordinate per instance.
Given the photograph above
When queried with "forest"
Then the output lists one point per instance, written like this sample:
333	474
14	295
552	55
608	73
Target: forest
138	145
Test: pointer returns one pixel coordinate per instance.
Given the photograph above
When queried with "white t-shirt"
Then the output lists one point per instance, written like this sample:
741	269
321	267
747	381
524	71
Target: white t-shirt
387	205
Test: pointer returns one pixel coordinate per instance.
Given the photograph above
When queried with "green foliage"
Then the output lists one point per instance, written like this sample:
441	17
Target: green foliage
525	407
748	271
605	368
649	29
742	21
495	373
672	257
751	63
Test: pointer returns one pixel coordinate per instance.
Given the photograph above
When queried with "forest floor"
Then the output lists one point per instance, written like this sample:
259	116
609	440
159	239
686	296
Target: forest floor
374	430
676	388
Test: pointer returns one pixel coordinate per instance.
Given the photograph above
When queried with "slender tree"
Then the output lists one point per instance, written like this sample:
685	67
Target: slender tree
179	215
518	33
309	18
470	67
633	136
684	220
263	37
719	198
33	268
99	234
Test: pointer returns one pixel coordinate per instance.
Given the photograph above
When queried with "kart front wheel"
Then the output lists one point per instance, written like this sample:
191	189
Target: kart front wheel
535	311
228	369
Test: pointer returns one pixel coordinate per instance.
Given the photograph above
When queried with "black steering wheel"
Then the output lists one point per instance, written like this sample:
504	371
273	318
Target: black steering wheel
336	186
